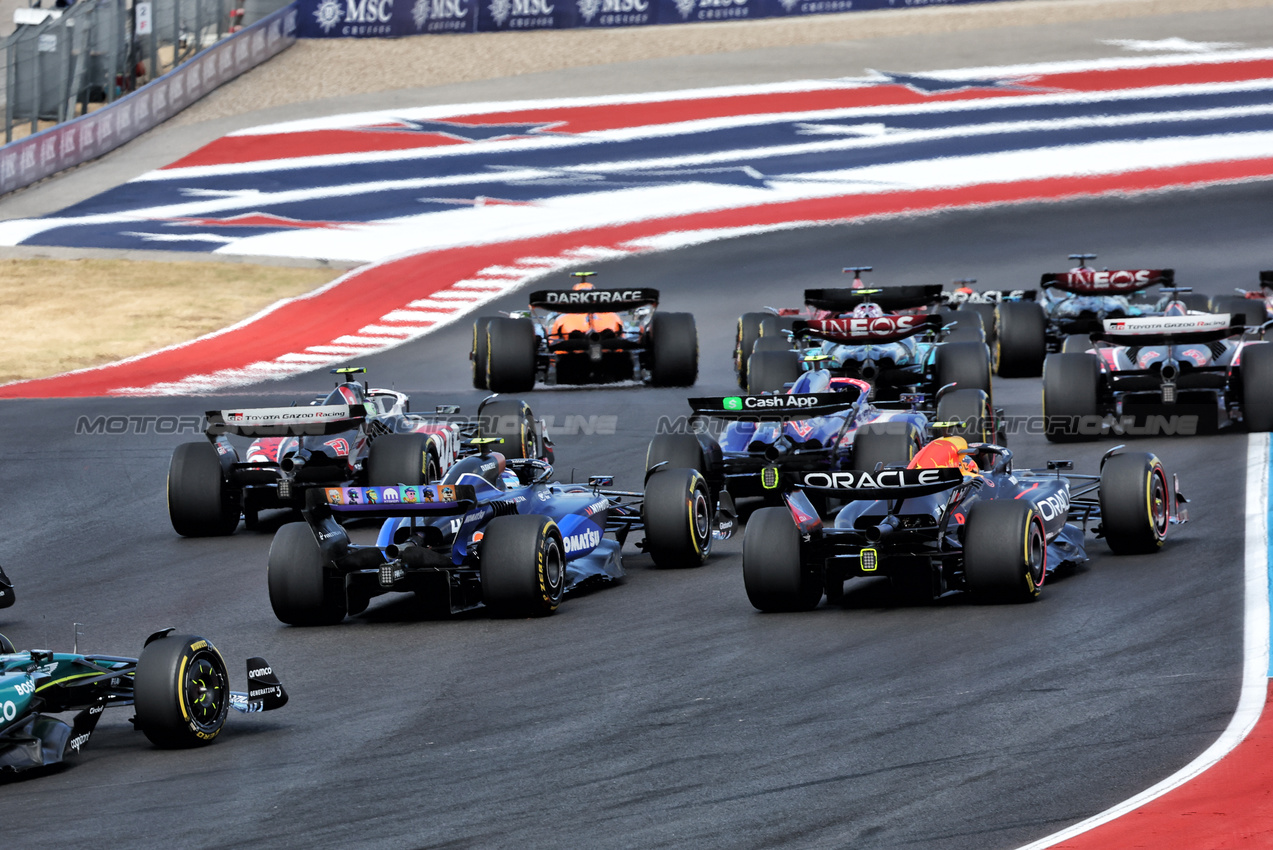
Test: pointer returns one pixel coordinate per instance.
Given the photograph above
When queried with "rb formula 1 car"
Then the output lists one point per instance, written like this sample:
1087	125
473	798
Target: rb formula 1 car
585	336
957	517
494	533
179	689
1178	364
1255	306
354	435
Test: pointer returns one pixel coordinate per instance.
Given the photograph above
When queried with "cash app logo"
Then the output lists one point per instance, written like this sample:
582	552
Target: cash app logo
733	403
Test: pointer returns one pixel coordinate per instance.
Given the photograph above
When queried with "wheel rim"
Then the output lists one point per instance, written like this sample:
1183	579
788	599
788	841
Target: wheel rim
554	568
1159	505
205	693
1037	556
700	516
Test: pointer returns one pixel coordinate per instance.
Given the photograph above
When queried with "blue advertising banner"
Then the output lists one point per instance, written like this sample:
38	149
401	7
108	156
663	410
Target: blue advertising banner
504	15
616	13
688	11
385	18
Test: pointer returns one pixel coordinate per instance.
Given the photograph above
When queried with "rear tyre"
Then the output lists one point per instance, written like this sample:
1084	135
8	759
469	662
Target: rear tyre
1005	551
512	421
967	327
1135	503
771	343
181	691
673	350
769	371
1076	344
964	364
1193	301
1250	310
751	327
773	574
201	502
301	591
1070	383
401	459
511	351
1021	343
678	514
1257	379
478	351
889	443
523	566
970	407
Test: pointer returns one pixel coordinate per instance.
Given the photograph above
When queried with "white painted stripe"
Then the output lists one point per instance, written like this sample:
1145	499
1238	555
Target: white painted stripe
504	271
387	330
445	295
485	284
340	350
1255	651
309	359
415	316
372	342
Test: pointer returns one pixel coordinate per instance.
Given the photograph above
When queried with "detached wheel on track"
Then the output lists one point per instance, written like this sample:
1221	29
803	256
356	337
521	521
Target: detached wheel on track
523	566
401	459
773	574
769	371
1021	343
478	352
1070	384
1257	386
1135	503
201	502
673	350
1005	551
511	350
301	591
678	514
181	691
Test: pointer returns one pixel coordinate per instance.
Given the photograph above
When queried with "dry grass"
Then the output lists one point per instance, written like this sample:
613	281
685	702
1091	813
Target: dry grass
69	314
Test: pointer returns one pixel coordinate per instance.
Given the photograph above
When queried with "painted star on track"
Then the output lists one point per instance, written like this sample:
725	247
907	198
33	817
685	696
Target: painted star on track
468	132
926	84
1171	45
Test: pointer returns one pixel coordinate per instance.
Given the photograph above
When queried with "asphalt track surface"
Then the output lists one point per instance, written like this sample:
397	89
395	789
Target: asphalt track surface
663	711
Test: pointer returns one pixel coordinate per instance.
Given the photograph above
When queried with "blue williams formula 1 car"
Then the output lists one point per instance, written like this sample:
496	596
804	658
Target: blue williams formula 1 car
179	689
495	533
957	517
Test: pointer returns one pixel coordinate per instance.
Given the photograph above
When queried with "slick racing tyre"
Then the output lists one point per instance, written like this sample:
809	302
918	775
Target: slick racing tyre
512	421
966	327
1195	301
985	310
1135	503
511	352
887	443
769	371
301	591
773	574
478	352
678	513
964	364
1021	344
1070	384
1076	344
1005	551
1250	310
673	350
771	343
972	408
201	502
523	566
1257	387
401	459
751	327
181	691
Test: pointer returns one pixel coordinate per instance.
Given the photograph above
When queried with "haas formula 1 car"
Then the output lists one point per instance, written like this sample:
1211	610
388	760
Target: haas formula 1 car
179	690
354	435
957	517
585	336
1179	364
494	532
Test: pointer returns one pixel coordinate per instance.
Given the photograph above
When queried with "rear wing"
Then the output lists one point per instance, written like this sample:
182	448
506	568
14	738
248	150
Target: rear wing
988	296
864	330
1108	282
887	484
396	501
774	408
1169	330
315	420
842	300
593	300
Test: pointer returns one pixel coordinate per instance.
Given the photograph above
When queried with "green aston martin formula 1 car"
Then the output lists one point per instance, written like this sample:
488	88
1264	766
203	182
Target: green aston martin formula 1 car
179	689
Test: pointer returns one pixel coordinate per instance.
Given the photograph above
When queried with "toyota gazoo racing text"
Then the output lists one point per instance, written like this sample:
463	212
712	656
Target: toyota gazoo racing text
585	336
355	434
1181	372
956	518
179	690
495	532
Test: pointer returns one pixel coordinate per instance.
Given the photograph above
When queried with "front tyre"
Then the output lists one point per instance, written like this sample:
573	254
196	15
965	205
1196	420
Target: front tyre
201	502
1021	343
1070	384
678	514
477	353
1005	551
1257	378
771	371
1135	503
401	459
673	350
181	691
775	577
511	352
301	591
523	566
964	364
512	421
751	327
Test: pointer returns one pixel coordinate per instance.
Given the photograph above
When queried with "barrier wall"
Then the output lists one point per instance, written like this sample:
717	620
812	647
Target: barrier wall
29	160
392	18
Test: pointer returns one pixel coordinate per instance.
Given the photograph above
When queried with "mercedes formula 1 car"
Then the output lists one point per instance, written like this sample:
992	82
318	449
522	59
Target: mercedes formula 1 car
1150	372
585	336
356	434
179	690
495	533
957	517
